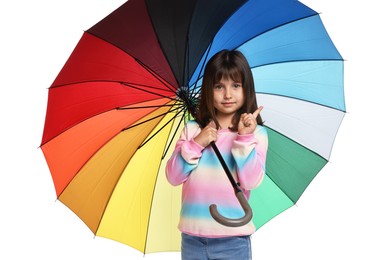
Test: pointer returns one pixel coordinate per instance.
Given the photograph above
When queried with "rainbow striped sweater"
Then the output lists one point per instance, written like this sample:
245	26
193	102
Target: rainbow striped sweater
205	182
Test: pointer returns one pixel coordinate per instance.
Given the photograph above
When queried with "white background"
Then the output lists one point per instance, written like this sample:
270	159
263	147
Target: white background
344	213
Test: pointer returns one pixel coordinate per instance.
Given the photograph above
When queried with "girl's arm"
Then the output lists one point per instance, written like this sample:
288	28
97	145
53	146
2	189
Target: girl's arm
185	157
249	152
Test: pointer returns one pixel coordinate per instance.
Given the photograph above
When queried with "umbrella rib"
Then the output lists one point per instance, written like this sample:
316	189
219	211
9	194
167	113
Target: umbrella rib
198	91
174	134
155	75
142	107
161	128
292	140
150	119
112	81
301	99
187	51
147	91
203	65
187	61
289	61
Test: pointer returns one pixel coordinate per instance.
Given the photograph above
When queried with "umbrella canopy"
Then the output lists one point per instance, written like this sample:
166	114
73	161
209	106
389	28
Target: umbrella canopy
118	104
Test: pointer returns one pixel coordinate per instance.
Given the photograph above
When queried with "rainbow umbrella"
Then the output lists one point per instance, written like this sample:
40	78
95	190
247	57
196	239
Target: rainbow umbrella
118	104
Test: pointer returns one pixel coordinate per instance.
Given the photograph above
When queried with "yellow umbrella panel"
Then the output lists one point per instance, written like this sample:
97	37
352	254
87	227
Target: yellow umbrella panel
122	192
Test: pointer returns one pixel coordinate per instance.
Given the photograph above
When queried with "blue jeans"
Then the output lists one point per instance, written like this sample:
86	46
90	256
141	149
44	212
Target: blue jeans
227	248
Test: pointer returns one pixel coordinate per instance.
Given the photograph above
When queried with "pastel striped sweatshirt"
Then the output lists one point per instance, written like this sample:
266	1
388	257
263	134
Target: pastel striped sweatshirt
205	182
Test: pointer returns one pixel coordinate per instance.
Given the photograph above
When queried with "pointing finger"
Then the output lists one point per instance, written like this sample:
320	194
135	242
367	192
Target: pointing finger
257	111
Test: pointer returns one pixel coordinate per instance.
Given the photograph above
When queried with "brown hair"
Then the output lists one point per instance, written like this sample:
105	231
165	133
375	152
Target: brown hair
224	65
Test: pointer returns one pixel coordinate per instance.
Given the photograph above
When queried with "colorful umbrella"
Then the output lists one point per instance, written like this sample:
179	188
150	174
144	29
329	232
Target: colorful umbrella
118	104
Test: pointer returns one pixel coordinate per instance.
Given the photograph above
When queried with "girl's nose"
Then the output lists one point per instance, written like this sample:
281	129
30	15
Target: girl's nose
227	93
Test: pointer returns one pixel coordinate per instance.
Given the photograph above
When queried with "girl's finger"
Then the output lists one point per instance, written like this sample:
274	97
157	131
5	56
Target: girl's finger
212	124
257	111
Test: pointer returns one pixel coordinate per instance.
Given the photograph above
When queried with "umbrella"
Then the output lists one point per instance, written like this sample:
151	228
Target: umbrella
115	109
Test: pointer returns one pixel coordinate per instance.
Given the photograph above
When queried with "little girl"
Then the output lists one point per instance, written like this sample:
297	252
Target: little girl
228	115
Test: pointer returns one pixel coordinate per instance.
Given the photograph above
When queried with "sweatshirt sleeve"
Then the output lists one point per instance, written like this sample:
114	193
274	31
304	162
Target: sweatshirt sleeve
249	152
185	156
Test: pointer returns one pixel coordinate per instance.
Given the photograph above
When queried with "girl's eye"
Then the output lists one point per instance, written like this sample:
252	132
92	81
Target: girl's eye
218	86
237	85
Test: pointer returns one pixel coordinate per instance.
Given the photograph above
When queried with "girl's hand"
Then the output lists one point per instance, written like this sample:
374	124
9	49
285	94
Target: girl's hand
248	123
207	135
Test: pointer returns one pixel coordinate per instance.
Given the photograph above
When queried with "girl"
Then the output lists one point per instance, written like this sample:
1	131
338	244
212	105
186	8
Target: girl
228	115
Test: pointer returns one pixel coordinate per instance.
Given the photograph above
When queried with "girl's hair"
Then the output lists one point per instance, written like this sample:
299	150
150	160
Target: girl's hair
226	65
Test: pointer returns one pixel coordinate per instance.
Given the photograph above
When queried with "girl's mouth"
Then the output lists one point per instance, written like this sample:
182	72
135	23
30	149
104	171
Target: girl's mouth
227	104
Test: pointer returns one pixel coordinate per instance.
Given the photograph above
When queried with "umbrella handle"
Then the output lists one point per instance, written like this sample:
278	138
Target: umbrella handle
239	194
233	222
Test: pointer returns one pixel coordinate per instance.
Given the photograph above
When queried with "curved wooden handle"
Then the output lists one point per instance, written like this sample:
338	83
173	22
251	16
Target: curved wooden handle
233	222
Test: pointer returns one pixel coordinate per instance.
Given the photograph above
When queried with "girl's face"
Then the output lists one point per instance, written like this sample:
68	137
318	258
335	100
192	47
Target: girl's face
228	97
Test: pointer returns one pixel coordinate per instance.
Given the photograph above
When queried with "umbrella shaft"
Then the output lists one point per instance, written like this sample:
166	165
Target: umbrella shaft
225	167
